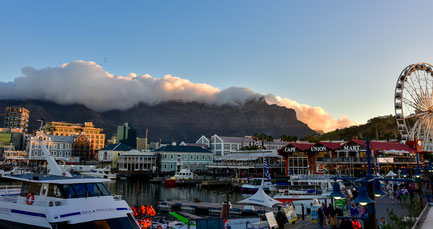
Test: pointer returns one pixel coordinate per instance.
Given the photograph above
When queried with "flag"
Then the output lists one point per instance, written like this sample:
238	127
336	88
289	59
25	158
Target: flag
265	164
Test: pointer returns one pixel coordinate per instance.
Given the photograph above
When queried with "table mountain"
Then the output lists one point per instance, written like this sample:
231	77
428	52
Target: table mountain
175	120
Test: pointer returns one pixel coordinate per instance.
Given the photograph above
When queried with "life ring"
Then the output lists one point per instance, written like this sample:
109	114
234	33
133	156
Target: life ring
30	198
159	227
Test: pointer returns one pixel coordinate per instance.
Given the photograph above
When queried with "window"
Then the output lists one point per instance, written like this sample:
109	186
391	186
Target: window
165	156
203	158
196	157
171	166
165	166
192	157
172	156
28	187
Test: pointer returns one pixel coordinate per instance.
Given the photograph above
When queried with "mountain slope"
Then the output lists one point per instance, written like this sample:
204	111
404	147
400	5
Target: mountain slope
176	121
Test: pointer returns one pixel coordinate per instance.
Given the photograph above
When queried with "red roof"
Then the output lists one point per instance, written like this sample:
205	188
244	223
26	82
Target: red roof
386	146
331	145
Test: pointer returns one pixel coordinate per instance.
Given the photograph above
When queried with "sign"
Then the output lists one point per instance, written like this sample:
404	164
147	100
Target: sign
385	160
290	149
290	213
318	149
239	223
341	203
271	219
354	148
314	213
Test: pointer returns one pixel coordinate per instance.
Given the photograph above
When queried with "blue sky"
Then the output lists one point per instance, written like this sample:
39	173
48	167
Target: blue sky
343	56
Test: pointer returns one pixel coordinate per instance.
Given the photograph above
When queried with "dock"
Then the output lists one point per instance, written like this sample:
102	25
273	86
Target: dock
207	208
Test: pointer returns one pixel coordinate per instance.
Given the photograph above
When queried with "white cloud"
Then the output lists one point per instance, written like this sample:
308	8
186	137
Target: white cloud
88	84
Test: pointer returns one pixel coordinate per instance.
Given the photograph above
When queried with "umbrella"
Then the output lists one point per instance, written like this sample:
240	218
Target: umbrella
391	174
260	198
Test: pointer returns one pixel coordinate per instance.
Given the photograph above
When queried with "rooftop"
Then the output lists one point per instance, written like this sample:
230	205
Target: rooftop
117	147
182	149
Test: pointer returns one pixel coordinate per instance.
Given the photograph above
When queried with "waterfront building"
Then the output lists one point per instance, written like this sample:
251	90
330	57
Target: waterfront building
346	158
110	154
203	140
137	161
11	155
82	147
141	144
249	162
127	135
60	148
17	118
182	143
221	145
174	158
14	137
95	135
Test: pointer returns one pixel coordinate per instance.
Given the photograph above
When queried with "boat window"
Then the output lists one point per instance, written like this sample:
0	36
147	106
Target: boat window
54	191
257	182
80	190
29	187
93	189
67	191
103	189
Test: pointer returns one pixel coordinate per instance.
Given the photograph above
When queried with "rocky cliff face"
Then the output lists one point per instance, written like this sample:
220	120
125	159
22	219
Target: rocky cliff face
176	121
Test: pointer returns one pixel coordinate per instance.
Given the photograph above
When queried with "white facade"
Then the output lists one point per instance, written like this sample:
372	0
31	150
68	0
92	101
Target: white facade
220	145
135	160
60	147
203	140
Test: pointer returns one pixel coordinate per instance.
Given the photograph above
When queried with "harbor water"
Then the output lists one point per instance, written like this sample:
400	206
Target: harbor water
151	194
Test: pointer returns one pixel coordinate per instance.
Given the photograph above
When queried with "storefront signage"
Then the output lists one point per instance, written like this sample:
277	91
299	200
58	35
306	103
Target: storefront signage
355	148
318	149
290	149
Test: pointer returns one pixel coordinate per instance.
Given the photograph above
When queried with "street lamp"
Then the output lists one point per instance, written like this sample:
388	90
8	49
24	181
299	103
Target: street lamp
336	191
378	191
362	198
404	174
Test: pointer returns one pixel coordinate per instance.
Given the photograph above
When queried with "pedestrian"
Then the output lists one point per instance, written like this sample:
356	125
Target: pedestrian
332	214
354	211
398	194
346	224
428	192
382	224
391	194
281	218
356	224
364	212
321	216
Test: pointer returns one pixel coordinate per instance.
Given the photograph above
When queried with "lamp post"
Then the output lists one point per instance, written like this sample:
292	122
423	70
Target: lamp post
371	206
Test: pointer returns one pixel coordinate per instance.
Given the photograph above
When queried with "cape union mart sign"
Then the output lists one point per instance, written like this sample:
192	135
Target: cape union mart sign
354	148
318	149
290	149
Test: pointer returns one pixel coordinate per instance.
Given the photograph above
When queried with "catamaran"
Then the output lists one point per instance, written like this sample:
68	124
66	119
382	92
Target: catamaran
59	200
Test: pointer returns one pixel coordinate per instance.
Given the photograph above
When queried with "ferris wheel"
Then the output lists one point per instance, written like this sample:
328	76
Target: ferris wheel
413	102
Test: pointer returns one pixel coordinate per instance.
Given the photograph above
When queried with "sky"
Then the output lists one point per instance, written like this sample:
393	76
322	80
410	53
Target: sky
340	56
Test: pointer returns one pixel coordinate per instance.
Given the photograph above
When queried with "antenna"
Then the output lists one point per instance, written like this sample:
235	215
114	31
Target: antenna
53	167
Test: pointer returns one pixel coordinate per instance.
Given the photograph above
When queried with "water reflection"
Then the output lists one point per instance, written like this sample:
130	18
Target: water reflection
152	193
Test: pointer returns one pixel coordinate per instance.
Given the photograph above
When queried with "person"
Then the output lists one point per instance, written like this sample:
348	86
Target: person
281	218
382	224
364	212
354	211
391	193
332	214
398	194
346	224
321	216
356	224
428	192
339	211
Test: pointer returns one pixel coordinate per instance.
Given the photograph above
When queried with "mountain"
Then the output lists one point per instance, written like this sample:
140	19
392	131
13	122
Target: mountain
175	121
378	128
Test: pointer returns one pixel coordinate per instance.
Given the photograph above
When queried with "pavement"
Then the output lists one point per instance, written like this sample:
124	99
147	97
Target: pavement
381	205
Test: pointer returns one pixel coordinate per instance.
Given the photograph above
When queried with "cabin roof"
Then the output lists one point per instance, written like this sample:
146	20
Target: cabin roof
55	179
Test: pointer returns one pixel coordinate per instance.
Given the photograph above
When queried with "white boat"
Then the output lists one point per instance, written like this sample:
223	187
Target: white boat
15	171
100	173
257	183
184	176
60	200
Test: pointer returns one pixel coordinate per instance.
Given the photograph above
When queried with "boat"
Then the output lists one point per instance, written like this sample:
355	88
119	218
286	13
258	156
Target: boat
257	183
100	173
182	177
60	200
15	171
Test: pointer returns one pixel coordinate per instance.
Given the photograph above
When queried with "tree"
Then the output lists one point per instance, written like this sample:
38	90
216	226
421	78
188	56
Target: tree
284	138
269	139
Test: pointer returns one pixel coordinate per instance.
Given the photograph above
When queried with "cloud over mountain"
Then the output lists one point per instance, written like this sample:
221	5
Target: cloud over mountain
87	83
